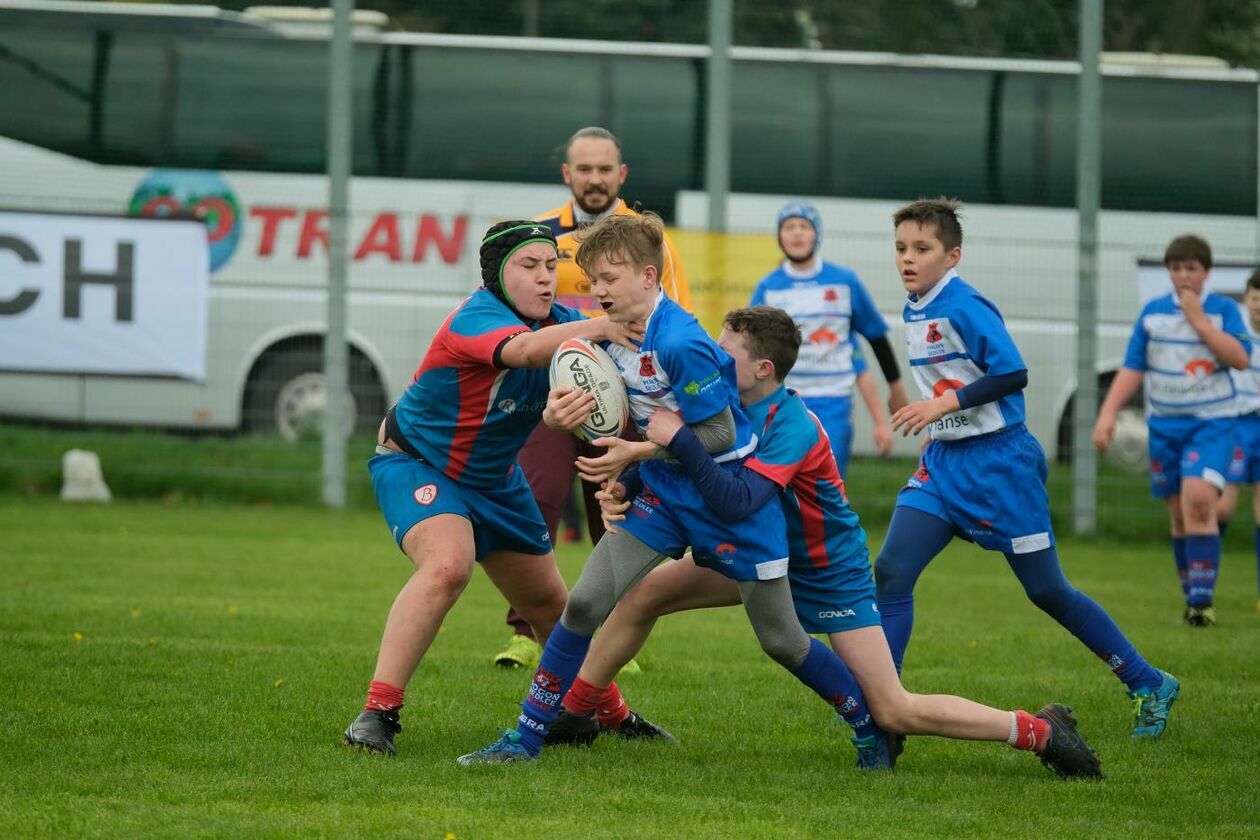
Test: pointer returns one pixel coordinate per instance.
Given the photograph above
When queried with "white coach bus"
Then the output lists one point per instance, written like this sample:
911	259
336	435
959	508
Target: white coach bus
130	109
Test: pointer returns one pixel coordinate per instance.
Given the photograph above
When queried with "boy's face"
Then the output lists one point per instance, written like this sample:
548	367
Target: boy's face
1188	274
796	238
529	278
921	257
1251	300
625	292
736	346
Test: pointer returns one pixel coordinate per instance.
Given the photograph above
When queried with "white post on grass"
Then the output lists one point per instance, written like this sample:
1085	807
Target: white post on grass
340	79
717	137
1088	191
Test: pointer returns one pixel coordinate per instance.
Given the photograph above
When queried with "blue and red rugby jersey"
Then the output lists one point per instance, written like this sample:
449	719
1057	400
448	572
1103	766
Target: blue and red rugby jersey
793	452
464	415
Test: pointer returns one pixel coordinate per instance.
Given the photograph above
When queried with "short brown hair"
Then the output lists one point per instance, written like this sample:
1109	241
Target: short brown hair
637	239
940	214
771	334
1189	247
592	131
1253	282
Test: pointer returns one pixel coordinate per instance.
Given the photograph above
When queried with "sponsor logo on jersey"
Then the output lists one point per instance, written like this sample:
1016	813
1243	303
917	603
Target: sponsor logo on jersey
426	495
725	550
943	385
696	387
507	405
822	335
1198	369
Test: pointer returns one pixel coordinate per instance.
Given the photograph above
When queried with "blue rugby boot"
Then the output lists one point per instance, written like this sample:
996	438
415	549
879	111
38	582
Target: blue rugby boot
507	748
878	751
1151	706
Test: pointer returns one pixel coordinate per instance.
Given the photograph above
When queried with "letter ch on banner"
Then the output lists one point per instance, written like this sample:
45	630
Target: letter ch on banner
95	294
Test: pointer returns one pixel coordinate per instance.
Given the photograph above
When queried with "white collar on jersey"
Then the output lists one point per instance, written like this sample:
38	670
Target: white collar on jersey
919	303
815	268
583	219
1176	298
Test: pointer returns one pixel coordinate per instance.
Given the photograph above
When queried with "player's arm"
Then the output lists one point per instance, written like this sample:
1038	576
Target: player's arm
870	324
732	495
715	434
865	384
1229	349
527	349
1123	386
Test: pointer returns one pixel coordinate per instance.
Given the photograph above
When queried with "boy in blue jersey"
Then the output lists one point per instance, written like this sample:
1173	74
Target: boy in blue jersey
982	475
1245	467
832	308
445	472
676	366
1182	348
832	586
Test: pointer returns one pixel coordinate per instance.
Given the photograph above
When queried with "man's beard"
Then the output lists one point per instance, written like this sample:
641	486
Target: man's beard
596	194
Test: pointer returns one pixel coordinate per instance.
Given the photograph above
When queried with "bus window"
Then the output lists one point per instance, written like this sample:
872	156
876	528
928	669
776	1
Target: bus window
653	110
45	88
253	104
776	126
904	132
1198	137
493	115
1036	154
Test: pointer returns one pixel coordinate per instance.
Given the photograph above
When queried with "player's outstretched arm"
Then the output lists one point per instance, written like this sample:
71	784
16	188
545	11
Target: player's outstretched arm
535	349
1123	387
732	495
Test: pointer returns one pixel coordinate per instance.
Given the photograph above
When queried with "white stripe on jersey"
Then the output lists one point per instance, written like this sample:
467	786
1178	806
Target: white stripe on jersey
941	361
1182	376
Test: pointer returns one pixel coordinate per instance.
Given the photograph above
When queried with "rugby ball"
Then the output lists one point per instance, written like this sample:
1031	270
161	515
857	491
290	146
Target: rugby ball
579	363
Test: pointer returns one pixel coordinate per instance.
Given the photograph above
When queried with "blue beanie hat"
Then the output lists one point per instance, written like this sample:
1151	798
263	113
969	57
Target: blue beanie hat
801	210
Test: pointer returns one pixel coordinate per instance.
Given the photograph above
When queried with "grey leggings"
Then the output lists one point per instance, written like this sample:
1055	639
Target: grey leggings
621	560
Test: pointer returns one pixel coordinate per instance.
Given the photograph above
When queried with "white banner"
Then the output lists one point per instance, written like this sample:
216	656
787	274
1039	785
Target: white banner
91	294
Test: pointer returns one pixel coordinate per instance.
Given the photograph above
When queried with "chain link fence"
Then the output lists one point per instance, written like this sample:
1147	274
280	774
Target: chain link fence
219	119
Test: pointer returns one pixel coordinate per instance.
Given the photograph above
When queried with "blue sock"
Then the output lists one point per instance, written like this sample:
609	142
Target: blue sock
896	613
826	674
1042	576
1179	556
1203	559
557	668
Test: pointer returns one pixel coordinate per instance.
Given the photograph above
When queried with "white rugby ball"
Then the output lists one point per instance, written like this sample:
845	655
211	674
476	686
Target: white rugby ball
579	363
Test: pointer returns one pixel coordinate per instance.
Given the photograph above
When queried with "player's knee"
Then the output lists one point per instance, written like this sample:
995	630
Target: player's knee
447	580
788	652
582	615
1051	597
890	579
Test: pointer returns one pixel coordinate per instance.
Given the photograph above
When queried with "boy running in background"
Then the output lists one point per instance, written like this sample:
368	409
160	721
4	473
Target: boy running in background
1182	348
832	307
1245	468
829	570
982	475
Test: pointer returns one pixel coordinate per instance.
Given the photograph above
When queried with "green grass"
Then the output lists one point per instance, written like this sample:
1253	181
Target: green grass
265	470
224	648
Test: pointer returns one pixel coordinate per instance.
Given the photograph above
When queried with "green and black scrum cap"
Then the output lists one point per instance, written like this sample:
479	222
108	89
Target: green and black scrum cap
501	242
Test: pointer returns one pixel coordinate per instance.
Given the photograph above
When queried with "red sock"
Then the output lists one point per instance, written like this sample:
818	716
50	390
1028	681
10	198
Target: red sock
612	710
1028	732
583	697
383	697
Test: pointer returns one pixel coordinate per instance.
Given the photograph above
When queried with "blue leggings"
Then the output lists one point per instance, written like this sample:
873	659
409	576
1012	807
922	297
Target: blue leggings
915	537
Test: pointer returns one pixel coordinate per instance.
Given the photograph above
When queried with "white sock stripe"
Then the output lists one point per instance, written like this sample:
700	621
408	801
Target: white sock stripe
1013	738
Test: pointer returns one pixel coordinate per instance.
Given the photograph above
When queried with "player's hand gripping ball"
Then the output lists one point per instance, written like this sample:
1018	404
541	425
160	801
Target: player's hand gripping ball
579	363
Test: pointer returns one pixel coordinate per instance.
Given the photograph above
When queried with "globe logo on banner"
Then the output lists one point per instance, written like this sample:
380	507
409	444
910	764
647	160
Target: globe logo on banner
200	194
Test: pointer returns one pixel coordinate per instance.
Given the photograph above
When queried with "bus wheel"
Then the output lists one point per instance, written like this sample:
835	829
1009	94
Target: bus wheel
286	393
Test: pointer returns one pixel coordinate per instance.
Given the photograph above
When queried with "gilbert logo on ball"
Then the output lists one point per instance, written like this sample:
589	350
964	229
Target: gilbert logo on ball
579	363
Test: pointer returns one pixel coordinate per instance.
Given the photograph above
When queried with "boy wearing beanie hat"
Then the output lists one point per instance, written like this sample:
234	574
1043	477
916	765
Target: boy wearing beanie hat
445	472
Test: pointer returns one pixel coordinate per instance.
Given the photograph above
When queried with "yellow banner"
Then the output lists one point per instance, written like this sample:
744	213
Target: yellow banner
722	269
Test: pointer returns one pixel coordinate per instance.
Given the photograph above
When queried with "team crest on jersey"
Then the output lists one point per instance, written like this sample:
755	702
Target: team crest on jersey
933	333
830	296
426	495
646	369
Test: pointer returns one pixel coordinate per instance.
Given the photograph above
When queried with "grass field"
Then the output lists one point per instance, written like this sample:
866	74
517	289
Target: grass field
186	670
